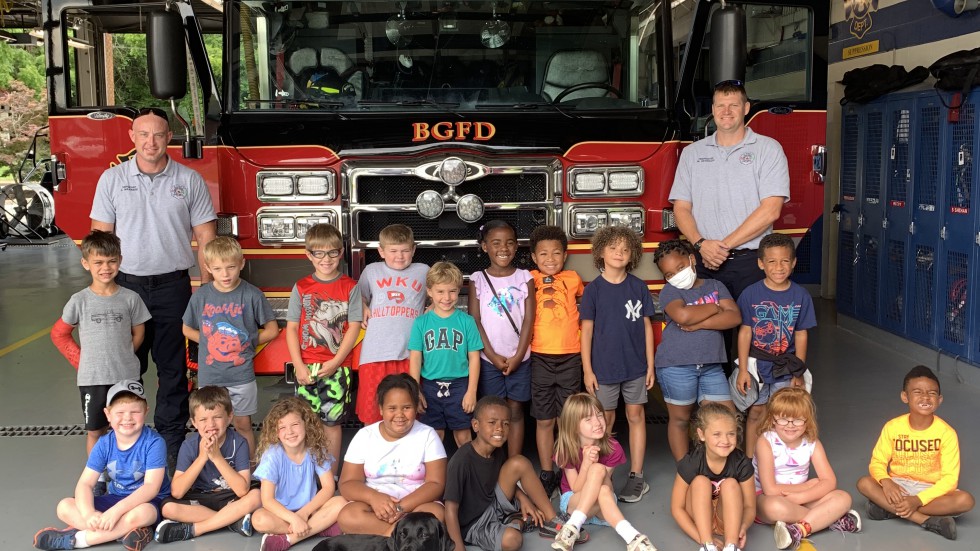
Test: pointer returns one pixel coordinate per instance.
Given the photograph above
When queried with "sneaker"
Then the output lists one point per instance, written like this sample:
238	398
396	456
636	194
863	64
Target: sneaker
944	526
731	547
137	539
53	538
850	522
640	543
787	535
243	526
708	546
171	530
566	538
550	481
274	542
633	488
876	512
550	529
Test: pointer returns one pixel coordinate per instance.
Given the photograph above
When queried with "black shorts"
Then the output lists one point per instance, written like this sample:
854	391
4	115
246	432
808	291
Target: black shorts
216	500
93	406
554	377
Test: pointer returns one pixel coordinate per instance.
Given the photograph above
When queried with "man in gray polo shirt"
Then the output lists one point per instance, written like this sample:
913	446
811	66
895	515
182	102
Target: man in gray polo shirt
156	206
728	190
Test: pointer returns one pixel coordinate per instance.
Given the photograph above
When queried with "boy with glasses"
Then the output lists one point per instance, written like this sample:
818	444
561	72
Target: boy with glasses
323	322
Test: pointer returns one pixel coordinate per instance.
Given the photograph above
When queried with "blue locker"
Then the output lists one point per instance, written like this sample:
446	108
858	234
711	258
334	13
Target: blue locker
871	218
848	209
927	145
897	205
954	334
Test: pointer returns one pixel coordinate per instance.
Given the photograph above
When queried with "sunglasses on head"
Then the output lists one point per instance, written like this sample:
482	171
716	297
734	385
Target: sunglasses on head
152	111
729	84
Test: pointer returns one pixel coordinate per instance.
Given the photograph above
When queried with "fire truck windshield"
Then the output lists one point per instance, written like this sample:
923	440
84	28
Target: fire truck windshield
369	56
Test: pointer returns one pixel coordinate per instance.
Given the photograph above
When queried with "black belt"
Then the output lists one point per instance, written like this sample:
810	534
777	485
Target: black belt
742	252
157	279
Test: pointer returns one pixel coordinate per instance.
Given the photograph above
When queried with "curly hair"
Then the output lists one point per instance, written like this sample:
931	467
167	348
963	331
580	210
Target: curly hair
548	233
674	245
774	240
396	381
709	411
316	441
791	403
611	235
569	444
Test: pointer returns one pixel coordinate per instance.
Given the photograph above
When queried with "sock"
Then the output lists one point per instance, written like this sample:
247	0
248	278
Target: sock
806	528
81	541
577	519
626	530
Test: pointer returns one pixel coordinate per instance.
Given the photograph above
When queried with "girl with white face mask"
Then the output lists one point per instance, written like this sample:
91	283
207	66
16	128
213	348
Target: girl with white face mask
691	356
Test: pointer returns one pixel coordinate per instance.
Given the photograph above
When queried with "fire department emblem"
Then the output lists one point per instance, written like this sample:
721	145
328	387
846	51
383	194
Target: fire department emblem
178	191
746	158
858	12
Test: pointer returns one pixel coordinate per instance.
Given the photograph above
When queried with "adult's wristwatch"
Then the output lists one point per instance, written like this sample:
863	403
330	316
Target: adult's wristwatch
697	245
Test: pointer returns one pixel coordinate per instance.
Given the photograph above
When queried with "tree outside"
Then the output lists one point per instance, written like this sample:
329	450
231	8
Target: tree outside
23	103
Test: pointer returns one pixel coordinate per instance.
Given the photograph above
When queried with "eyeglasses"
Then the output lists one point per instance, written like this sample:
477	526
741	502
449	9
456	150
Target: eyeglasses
152	111
332	253
729	84
783	422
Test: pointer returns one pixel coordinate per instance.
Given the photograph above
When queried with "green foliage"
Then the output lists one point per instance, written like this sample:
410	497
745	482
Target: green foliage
23	64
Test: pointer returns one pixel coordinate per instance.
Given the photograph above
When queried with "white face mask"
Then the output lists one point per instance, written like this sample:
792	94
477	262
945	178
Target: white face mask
684	279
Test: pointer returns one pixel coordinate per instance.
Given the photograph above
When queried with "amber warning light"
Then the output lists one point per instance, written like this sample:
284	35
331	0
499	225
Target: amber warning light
458	131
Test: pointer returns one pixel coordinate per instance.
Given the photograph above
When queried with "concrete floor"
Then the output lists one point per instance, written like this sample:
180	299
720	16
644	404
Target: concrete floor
856	388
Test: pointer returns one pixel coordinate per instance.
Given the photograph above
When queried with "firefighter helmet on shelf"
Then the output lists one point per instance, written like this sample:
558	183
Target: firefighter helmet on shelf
325	83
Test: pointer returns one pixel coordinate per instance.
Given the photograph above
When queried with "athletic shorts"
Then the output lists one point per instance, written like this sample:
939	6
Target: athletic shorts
767	389
515	386
216	500
328	396
93	406
369	376
487	531
634	393
104	502
684	385
244	399
912	487
554	377
444	404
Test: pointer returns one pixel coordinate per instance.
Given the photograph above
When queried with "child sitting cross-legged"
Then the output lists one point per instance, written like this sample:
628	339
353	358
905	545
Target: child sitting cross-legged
212	485
495	510
787	496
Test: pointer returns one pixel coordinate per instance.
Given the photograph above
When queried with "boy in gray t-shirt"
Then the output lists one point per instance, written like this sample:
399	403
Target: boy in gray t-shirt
110	322
229	318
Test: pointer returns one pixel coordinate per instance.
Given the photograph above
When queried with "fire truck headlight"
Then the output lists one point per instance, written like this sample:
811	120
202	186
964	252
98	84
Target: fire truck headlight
628	218
304	223
469	208
588	182
277	186
430	204
277	228
625	181
585	221
315	185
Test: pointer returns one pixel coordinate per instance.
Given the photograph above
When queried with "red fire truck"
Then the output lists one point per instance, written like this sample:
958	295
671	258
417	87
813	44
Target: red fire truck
436	114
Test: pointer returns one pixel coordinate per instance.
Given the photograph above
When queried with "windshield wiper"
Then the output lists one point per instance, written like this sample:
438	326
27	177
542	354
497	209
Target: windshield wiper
294	103
445	106
516	105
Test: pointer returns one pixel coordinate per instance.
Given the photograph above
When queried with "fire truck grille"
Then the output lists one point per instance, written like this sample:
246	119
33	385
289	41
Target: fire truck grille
468	260
448	227
494	188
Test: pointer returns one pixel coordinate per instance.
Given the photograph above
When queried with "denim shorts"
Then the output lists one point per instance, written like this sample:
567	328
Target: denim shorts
515	386
563	509
766	390
684	385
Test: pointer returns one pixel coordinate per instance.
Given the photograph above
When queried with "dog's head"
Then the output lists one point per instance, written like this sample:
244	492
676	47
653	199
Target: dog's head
420	532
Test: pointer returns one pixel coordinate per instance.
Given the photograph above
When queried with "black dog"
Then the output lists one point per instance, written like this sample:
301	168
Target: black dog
414	532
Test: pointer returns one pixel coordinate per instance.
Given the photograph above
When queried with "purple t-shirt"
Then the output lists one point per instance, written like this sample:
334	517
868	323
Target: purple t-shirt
618	335
704	346
613	459
511	294
775	317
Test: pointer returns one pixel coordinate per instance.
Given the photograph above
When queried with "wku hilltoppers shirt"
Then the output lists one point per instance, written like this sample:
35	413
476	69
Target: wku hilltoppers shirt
395	299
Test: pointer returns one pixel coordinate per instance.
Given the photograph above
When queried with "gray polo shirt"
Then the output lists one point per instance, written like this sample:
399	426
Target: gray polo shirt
726	184
153	218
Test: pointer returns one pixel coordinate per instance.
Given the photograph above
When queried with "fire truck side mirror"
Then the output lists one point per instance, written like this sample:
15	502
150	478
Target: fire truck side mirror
728	44
166	55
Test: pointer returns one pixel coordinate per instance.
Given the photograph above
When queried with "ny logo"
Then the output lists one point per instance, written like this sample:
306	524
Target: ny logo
633	310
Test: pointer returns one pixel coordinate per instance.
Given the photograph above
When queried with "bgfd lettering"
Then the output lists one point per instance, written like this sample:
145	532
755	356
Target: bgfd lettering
923	445
458	131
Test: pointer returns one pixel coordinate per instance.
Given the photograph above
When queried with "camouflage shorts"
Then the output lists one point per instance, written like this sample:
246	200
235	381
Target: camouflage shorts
330	396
